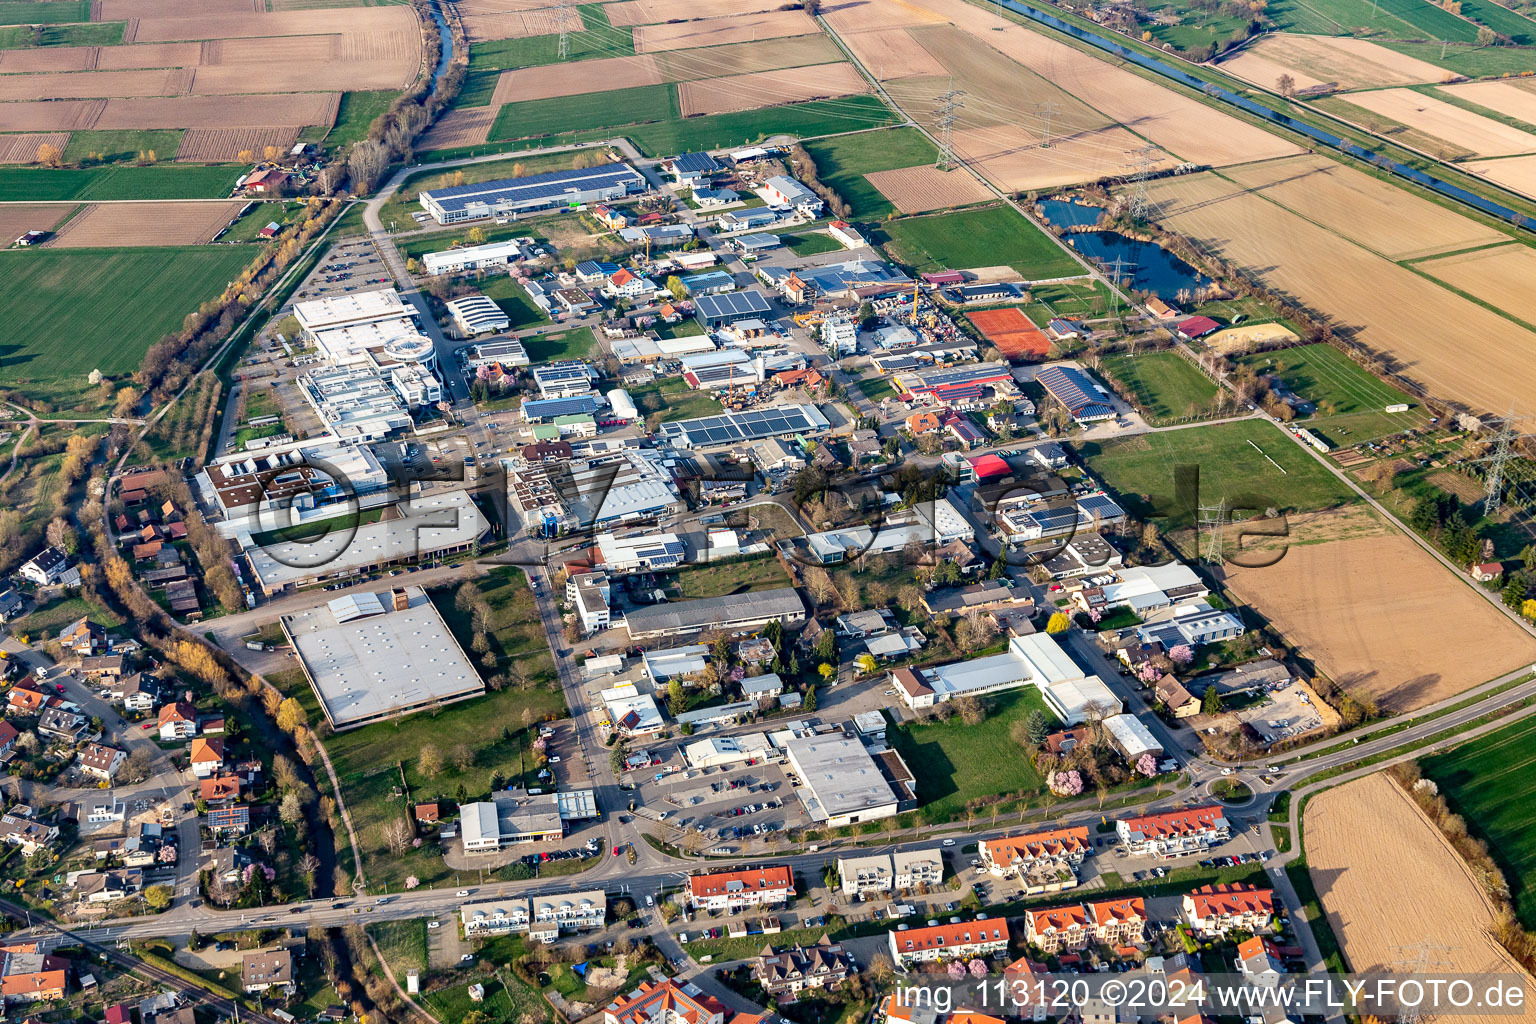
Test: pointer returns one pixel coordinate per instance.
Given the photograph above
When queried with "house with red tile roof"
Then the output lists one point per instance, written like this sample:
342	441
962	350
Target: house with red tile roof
732	891
963	941
1013	856
1054	929
1120	923
178	721
1259	962
32	978
665	1002
1214	910
207	756
1175	833
219	790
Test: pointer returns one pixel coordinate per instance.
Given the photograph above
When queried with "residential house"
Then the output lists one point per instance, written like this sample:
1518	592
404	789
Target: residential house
1059	929
102	666
20	828
665	1002
785	974
858	876
628	285
109	886
1119	923
762	689
138	692
32	978
11	603
1259	962
8	736
101	761
1174	833
963	941
82	637
495	917
56	723
26	698
916	869
1179	701
1214	910
178	721
206	756
562	913
46	567
734	891
1041	861
235	820
219	790
266	970
925	420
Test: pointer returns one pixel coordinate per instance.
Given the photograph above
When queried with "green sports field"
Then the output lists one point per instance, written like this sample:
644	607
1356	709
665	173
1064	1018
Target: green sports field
1232	464
70	311
1348	399
1165	384
158	181
989	237
1491	782
842	163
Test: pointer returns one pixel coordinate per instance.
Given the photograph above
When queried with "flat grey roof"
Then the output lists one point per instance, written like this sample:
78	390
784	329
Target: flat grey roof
365	668
713	611
841	775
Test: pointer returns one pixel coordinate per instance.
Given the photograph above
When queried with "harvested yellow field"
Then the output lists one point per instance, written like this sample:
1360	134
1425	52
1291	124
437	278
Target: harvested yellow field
169	223
1481	136
1013	159
745	58
359	20
769	88
88	84
578	77
1328	60
1378	215
1504	276
984	72
715	31
121	10
22	149
1377	634
224	145
16	219
1355	830
254	111
1517	173
461	126
893	53
850	16
341	76
1507	98
652	12
924	188
1384	306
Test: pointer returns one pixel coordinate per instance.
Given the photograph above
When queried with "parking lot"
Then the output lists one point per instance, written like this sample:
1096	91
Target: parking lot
712	808
1290	711
351	266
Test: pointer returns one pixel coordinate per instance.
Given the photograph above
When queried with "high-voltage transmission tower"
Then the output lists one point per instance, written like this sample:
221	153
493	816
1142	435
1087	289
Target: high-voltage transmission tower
1498	463
1213	524
944	121
1047	113
563	15
1143	163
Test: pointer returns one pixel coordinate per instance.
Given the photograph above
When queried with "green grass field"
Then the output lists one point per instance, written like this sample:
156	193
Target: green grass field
44	12
956	763
597	39
1520	29
745	127
672	399
248	226
90	33
810	243
588	111
842	163
1396	19
1165	384
1349	399
577	344
122	145
509	295
355	114
736	577
1491	782
116	181
1232	464
988	237
1473	61
74	310
1067	298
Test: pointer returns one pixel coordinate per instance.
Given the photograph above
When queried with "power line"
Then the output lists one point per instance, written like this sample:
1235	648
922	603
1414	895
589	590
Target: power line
1120	269
563	14
944	120
1503	454
1143	162
1416	961
1213	523
1046	112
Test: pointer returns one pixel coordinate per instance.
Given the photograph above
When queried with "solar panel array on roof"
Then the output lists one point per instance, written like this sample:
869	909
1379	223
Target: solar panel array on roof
733	304
694	163
1100	505
535	187
548	408
1074	389
752	425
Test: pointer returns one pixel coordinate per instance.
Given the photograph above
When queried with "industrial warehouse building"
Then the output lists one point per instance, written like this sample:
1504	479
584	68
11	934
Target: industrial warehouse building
733	613
736	428
460	203
715	311
370	657
841	783
476	314
489	256
1077	392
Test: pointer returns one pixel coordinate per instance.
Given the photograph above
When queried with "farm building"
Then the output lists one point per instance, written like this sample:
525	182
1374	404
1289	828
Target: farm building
1074	389
473	257
476	314
460	203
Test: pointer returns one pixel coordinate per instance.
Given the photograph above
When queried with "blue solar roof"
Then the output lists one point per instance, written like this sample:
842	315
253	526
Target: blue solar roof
1074	389
1100	505
547	408
535	186
695	163
747	303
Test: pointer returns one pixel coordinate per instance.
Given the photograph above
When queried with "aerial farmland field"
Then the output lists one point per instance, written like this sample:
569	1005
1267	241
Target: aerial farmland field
987	237
1350	403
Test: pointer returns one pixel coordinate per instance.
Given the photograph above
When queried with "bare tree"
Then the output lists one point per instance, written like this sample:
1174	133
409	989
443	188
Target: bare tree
397	836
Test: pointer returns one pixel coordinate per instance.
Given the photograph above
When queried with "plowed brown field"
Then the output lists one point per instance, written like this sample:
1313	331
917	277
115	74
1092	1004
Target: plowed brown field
22	149
920	189
715	31
1385	307
120	10
257	111
1013	159
893	53
651	12
223	145
89	84
1317	60
113	224
50	116
462	126
769	88
233	79
16	219
148	55
1479	135
50	58
359	20
745	58
849	16
572	79
1375	632
1518	172
520	24
1372	854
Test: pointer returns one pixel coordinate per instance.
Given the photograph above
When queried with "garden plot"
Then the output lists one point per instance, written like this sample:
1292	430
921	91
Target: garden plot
1380	635
892	53
22	149
652	12
580	77
1322	60
119	224
1387	308
1480	136
1378	215
769	88
1356	829
715	31
924	188
1503	276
